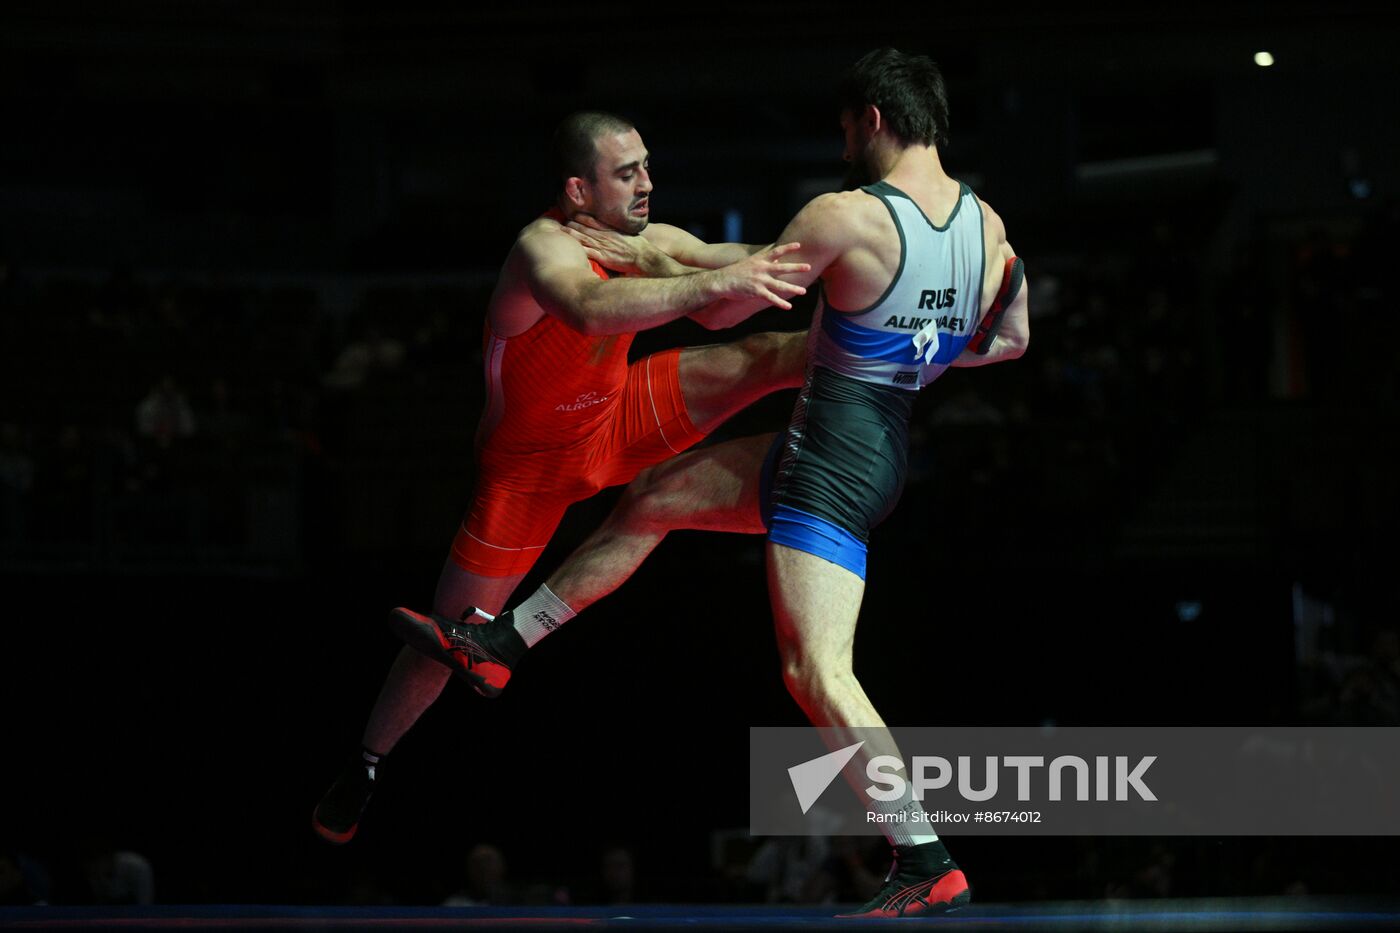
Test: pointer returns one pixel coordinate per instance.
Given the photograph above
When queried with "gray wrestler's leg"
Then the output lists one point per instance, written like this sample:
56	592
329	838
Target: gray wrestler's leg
815	607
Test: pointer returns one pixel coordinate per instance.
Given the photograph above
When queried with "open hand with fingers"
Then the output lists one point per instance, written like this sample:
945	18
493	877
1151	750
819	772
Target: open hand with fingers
757	276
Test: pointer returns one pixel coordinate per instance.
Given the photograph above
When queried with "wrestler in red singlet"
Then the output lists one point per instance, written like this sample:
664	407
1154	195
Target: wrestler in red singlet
565	417
565	414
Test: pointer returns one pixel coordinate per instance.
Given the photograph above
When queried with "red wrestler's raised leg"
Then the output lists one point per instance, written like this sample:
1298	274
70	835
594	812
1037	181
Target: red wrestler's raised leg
718	381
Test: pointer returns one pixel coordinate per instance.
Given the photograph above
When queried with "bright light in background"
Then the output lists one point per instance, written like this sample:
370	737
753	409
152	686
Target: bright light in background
1263	59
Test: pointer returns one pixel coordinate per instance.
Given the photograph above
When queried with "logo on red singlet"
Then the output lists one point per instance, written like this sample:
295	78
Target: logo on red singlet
586	400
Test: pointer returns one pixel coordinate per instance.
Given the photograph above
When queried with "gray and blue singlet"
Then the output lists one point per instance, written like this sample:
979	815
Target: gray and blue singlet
840	467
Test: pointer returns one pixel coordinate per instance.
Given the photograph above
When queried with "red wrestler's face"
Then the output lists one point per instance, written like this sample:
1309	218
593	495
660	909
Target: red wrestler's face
619	194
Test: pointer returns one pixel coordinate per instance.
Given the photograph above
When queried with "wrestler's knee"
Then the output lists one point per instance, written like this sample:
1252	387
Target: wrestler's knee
788	353
775	349
769	360
811	678
654	500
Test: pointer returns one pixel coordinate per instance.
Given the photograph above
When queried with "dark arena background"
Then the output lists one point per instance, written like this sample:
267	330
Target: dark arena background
245	251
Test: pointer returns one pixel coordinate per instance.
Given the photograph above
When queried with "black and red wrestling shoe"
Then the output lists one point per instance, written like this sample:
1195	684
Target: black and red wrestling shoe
915	887
482	653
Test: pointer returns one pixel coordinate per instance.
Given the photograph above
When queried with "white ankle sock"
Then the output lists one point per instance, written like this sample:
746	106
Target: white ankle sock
539	615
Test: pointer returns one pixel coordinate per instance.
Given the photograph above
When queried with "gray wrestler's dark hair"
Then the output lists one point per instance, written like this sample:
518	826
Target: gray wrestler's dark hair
908	89
575	141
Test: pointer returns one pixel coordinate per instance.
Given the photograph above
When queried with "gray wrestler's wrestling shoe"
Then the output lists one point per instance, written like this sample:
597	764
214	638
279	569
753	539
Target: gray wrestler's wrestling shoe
481	653
916	887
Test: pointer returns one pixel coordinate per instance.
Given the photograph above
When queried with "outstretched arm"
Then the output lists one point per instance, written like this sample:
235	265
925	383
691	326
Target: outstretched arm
690	250
556	269
661	251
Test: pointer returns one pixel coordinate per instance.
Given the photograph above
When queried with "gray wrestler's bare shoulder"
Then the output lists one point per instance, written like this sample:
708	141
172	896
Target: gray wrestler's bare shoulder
844	207
861	215
993	221
855	200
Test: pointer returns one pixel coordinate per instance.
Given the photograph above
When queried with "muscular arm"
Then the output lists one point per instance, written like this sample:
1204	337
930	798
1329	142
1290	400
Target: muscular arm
1014	334
818	229
689	250
556	269
1013	337
659	252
